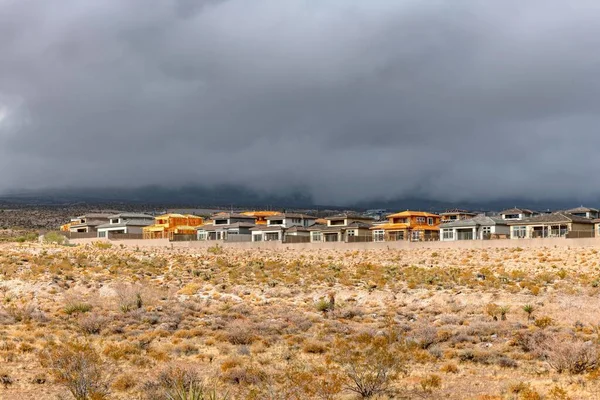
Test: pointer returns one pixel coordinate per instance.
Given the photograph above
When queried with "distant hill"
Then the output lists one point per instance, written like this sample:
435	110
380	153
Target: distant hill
236	196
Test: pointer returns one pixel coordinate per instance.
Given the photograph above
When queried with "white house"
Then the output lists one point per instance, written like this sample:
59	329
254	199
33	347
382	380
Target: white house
227	226
476	228
282	225
347	227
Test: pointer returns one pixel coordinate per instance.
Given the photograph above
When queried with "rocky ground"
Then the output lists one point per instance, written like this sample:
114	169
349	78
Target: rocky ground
265	324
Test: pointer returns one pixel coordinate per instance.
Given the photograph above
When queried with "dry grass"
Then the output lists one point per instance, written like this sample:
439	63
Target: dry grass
252	324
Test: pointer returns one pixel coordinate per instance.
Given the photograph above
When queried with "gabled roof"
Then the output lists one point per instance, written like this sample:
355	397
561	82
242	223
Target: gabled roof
516	211
481	220
210	227
409	213
231	215
132	222
131	216
291	215
339	228
581	209
458	211
556	217
350	216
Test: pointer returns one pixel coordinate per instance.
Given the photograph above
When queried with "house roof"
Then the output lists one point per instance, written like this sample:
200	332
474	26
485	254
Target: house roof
409	213
261	213
478	220
291	215
95	215
209	227
516	211
457	211
581	209
89	223
175	215
133	222
338	228
556	217
401	227
350	216
131	216
231	215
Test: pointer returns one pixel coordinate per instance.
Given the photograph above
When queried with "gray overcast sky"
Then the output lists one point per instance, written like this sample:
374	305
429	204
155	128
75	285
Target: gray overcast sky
351	100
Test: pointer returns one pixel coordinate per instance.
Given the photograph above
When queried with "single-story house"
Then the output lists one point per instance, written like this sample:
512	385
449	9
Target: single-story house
480	227
557	224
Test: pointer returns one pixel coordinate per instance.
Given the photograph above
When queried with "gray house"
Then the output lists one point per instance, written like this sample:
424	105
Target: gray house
125	223
480	227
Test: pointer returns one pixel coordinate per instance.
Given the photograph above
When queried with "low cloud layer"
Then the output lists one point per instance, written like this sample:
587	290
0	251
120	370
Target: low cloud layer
348	100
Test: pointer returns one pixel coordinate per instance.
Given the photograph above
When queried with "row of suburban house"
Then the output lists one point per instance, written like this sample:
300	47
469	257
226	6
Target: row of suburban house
262	226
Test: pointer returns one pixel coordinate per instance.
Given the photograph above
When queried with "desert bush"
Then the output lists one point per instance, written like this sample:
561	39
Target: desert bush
543	322
77	307
124	382
5	379
369	363
570	355
78	367
177	383
92	324
54	238
314	347
449	368
239	332
430	382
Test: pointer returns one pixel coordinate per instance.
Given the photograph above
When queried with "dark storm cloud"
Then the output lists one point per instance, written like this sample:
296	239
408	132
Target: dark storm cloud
350	100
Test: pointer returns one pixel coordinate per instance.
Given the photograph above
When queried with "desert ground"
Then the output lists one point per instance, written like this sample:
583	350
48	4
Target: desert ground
101	321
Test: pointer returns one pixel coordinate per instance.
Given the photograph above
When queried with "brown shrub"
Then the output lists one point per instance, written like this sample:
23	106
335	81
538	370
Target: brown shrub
570	355
79	368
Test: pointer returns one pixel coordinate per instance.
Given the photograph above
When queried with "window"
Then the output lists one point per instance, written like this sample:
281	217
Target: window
202	235
512	216
335	222
102	234
271	236
220	222
114	221
429	221
420	220
351	232
257	238
379	236
519	232
296	221
448	234
316	236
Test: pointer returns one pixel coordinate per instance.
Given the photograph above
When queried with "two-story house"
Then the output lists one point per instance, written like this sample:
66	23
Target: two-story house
516	214
456	214
346	227
125	223
584	212
408	225
167	225
227	226
87	223
284	226
260	217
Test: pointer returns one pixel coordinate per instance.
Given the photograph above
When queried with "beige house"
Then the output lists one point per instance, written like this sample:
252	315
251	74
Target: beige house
347	227
558	224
